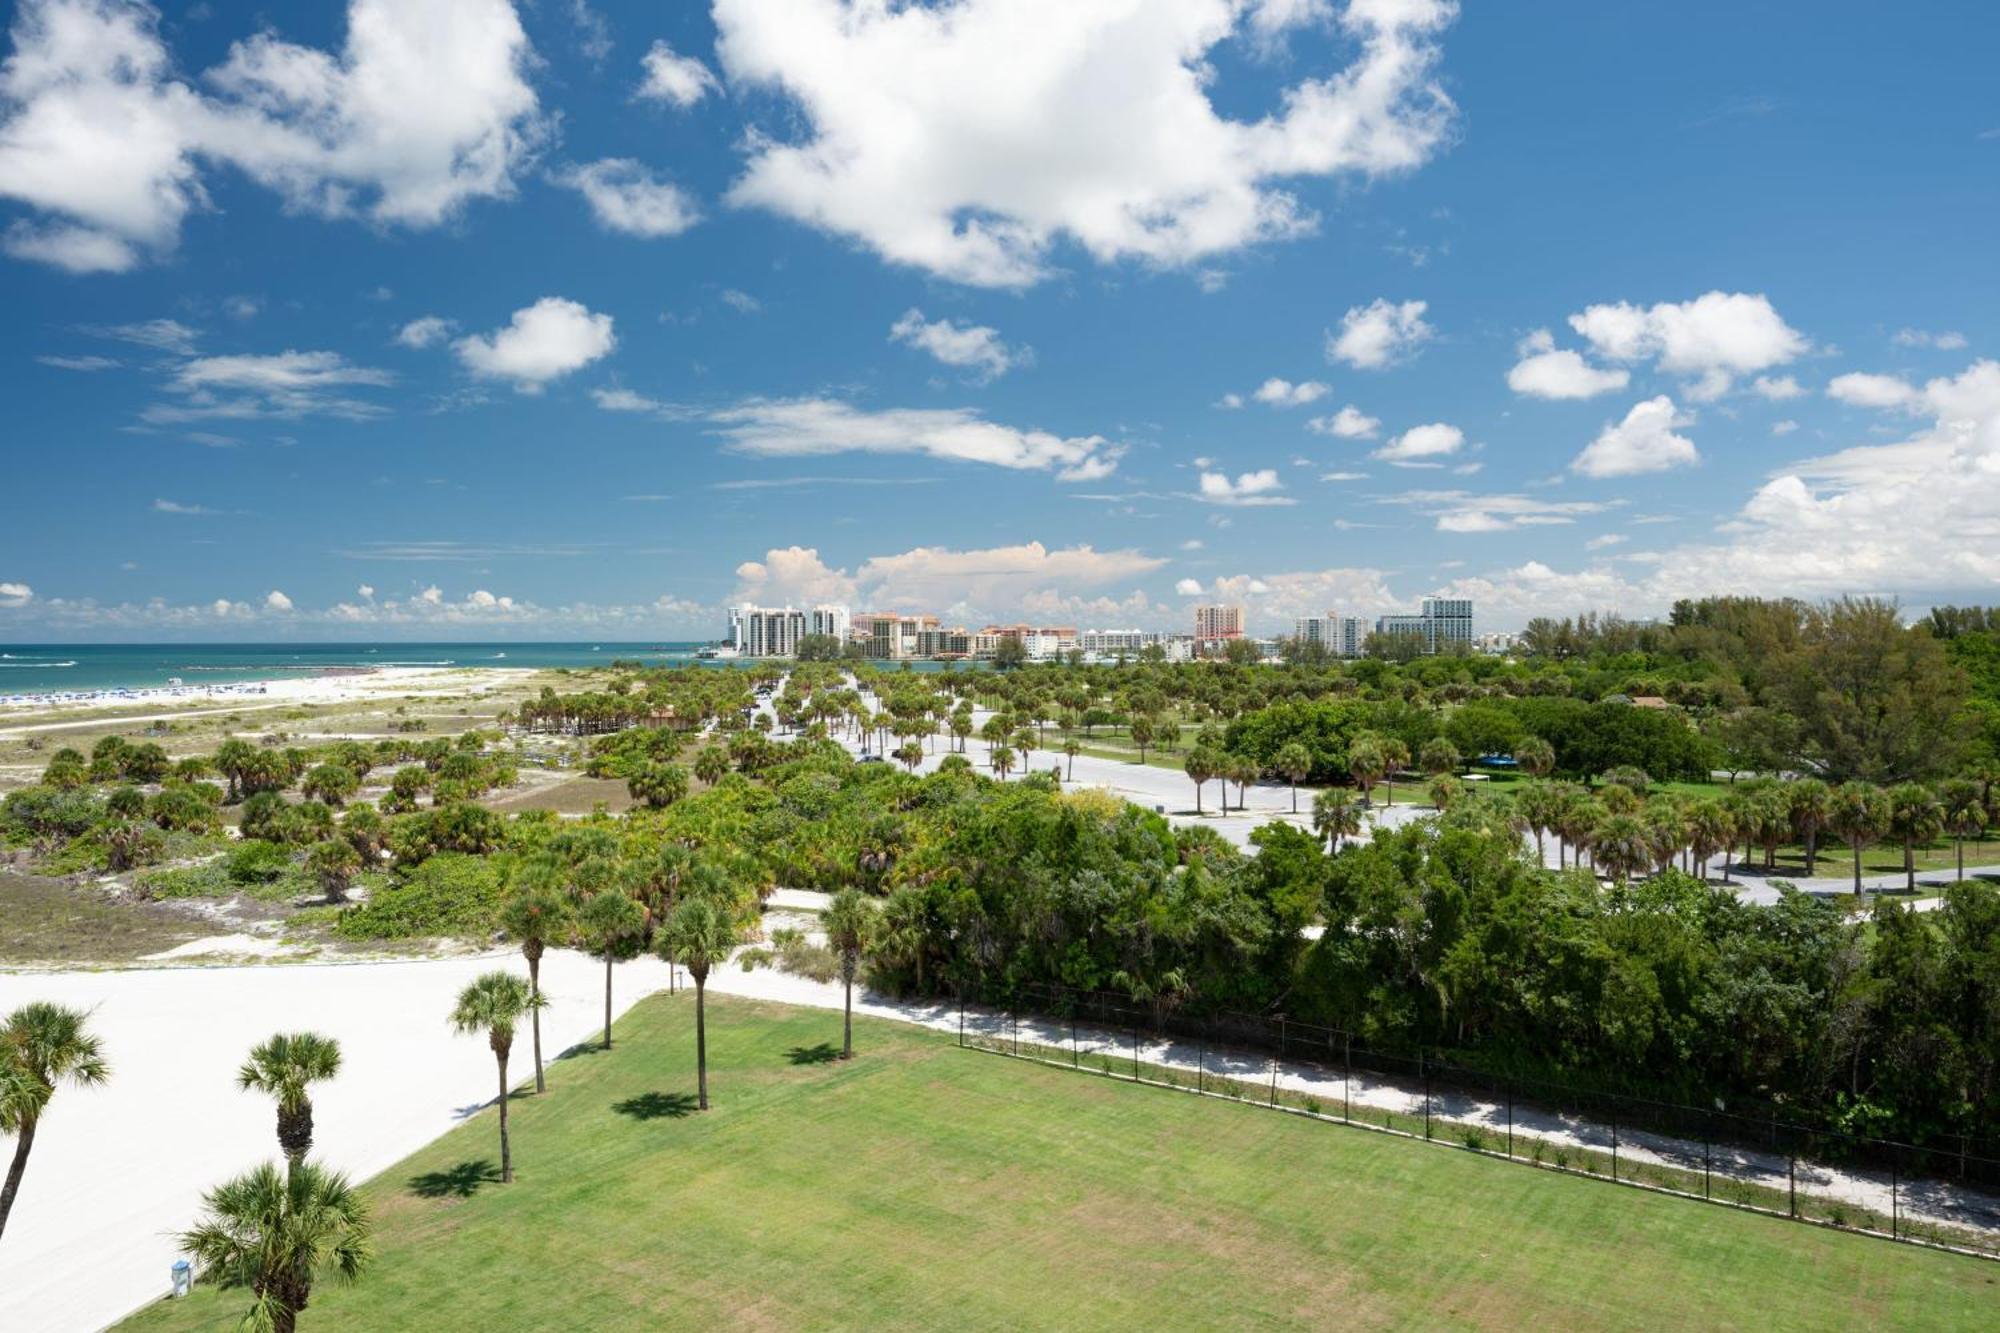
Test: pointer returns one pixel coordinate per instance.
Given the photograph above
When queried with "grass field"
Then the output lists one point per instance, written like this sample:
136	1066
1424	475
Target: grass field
923	1186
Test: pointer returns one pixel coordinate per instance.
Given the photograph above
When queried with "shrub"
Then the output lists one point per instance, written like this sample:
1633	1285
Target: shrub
257	862
449	894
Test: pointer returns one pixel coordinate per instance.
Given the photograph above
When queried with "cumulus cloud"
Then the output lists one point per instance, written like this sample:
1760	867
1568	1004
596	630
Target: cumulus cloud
1866	390
426	331
625	196
1422	445
1777	388
543	342
1272	602
1465	512
815	426
277	601
177	507
1944	342
968	585
927	128
973	347
1188	588
16	594
1713	338
1379	334
1247	489
678	80
1275	392
1349	423
1645	441
1546	371
425	108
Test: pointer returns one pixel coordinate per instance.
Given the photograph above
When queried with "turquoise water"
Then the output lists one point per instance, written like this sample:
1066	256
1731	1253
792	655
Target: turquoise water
43	668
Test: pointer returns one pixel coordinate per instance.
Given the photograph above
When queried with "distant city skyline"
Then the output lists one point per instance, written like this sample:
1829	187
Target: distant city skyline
600	318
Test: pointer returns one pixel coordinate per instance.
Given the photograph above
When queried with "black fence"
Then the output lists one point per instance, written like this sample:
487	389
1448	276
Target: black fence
1939	1195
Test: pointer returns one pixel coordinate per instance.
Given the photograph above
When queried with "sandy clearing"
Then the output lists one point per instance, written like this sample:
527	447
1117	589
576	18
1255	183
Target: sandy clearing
117	1169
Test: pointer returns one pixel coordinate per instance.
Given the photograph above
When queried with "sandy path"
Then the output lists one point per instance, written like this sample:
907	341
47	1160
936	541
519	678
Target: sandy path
117	1169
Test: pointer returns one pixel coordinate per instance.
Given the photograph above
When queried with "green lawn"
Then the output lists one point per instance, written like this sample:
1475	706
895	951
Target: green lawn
923	1186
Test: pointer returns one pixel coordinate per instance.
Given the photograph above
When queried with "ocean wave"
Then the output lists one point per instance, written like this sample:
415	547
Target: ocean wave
447	662
35	664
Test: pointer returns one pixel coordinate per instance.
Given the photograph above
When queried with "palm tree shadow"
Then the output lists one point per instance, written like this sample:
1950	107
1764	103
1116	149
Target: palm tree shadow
461	1181
656	1106
824	1053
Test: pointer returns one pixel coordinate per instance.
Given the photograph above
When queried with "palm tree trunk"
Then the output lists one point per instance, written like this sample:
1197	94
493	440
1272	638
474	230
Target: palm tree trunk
701	1041
607	999
506	1149
1961	858
1197	798
15	1172
1295	795
1812	851
535	1017
847	1020
1857	868
1910	862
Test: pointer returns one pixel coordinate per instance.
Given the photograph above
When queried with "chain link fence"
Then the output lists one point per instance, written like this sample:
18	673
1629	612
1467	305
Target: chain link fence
1941	1194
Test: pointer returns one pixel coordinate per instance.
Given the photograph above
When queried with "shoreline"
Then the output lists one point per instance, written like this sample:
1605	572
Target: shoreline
332	685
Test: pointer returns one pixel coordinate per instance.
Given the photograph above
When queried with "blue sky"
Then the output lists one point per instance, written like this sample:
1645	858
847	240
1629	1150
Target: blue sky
588	318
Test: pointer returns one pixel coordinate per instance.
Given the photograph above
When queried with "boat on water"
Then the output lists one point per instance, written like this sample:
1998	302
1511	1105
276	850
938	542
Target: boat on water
716	653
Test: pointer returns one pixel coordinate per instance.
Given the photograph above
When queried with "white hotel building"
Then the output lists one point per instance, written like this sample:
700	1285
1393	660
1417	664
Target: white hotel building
775	631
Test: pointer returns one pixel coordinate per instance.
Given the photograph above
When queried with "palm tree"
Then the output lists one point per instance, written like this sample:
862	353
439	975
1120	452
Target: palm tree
1294	761
1335	817
286	1066
1964	814
1395	758
278	1234
42	1045
657	786
1141	732
1242	771
1620	845
1366	761
538	914
1070	750
1535	757
1438	755
1002	757
1711	829
1860	816
1914	816
493	1004
1810	802
1200	766
698	936
850	924
1444	789
613	922
711	764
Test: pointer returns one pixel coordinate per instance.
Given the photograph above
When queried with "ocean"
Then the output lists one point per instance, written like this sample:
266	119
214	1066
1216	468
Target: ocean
30	668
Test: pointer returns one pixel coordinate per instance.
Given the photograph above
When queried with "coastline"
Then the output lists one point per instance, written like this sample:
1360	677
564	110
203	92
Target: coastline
333	686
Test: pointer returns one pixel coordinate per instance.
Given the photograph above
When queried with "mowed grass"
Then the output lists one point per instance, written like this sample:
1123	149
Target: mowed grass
922	1186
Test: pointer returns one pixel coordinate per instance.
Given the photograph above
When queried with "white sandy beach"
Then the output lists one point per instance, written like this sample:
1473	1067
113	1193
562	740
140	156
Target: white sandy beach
328	688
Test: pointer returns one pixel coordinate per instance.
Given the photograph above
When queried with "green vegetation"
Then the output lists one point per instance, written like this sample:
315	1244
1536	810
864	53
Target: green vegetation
919	1185
43	1047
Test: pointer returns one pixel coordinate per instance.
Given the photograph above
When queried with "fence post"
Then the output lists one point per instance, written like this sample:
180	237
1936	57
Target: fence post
1792	1179
1614	1145
1706	1125
1895	1221
1201	1064
1135	1052
1281	1034
1274	1082
961	1019
1508	1084
1014	1017
1346	1077
1423	1065
1075	1060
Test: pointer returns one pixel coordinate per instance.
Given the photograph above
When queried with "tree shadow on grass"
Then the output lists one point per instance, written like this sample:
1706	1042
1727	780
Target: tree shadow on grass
824	1053
656	1106
455	1182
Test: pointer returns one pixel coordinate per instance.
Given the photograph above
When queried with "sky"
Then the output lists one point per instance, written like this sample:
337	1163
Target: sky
468	319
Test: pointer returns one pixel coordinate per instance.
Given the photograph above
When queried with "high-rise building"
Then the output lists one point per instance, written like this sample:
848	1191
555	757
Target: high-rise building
1111	642
1342	636
1443	625
1218	622
775	631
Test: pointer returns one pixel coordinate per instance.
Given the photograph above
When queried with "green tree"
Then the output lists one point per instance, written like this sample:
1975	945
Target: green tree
494	1004
1535	757
330	783
612	923
333	864
699	935
537	912
1964	814
1874	699
1914	816
1002	757
1810	803
1201	764
851	922
1620	845
1141	731
1070	750
279	1235
1711	830
284	1067
1438	755
1335	817
1395	758
1367	760
657	786
711	764
1860	818
42	1046
1294	761
1009	654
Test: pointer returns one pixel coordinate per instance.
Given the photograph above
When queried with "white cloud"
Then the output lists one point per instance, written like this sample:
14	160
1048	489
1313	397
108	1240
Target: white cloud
1275	392
176	507
425	108
1643	442
1349	423
1943	342
1272	602
1379	334
813	426
1422	444
162	335
1192	544
1230	402
277	601
16	594
425	331
1188	588
678	80
1248	489
928	129
284	385
972	347
1712	338
365	591
743	303
1606	541
543	342
1544	371
1865	390
1343	476
79	363
1777	388
1783	428
1465	512
626	197
968	585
